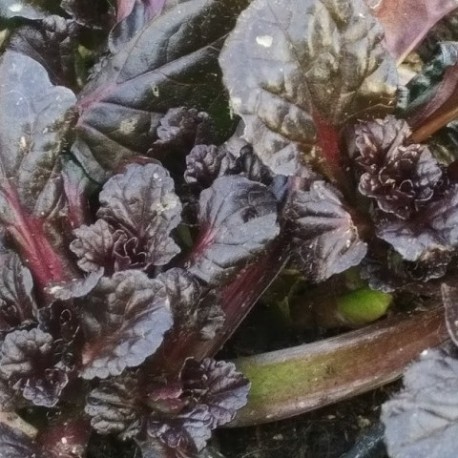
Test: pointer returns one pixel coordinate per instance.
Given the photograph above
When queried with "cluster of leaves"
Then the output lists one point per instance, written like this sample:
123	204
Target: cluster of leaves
135	235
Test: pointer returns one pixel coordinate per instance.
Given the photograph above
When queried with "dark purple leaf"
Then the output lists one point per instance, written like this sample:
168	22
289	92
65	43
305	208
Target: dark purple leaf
179	130
76	288
97	15
401	177
407	22
27	363
142	203
17	302
238	219
434	227
114	406
132	16
218	385
430	100
214	391
187	432
298	70
52	42
15	444
450	301
100	245
249	165
124	322
325	238
195	308
172	61
32	127
422	420
205	163
389	272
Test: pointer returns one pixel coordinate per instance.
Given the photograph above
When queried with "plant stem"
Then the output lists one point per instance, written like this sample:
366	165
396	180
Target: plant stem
296	380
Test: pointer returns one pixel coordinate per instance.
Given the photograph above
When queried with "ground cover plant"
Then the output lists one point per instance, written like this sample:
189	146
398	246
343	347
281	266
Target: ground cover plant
166	163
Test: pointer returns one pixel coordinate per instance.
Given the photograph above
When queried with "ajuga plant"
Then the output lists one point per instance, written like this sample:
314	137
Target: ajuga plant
163	161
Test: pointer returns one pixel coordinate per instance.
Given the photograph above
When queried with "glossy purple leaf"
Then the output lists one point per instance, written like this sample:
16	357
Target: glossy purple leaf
172	61
400	176
298	70
407	22
18	307
326	241
434	227
52	42
27	362
238	219
142	204
32	128
114	406
15	444
422	420
218	385
124	322
195	308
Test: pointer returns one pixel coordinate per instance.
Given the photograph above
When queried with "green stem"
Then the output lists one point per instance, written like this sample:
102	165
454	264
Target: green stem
299	379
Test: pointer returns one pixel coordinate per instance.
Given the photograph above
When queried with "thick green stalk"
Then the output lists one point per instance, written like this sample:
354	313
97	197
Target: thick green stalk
299	379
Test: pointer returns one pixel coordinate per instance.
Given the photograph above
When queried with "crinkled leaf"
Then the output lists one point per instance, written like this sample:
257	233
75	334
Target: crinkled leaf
422	420
32	126
388	272
298	70
205	163
100	245
17	302
52	43
450	301
238	219
179	130
401	176
325	238
27	363
218	385
124	322
15	444
172	61
195	308
434	227
142	204
187	431
114	406
407	22
430	99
